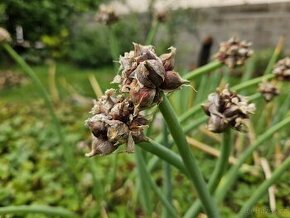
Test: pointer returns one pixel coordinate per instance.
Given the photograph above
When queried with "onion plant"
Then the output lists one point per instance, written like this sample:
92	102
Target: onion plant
145	80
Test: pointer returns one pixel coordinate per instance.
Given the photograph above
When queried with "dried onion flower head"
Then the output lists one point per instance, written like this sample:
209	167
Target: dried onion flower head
227	109
234	52
268	90
161	16
107	14
113	123
144	75
282	69
4	35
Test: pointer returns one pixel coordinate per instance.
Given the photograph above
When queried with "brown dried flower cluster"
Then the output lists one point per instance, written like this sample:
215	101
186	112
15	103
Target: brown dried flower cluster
4	35
144	75
268	90
234	52
227	109
113	123
282	69
107	14
116	118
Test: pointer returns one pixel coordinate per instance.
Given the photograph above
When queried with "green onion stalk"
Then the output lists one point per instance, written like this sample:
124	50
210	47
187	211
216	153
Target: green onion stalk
188	159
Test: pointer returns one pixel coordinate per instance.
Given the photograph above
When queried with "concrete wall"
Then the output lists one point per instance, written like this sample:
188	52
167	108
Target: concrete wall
262	24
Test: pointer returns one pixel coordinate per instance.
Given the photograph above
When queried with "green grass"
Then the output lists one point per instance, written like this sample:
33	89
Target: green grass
76	77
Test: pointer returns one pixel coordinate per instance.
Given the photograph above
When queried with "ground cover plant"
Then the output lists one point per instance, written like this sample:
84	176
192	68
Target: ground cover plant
158	142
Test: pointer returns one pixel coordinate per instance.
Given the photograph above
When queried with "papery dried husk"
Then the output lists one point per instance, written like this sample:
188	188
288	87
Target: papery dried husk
118	132
100	147
268	90
234	52
168	59
172	81
227	109
282	69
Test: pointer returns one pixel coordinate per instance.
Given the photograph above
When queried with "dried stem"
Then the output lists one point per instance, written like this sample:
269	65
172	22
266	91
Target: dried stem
271	190
256	196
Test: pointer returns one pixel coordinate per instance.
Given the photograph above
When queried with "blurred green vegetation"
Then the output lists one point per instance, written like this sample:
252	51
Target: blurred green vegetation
90	45
68	77
56	24
42	17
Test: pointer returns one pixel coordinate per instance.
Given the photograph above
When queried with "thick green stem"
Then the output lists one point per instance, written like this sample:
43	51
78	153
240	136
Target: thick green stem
167	189
231	176
146	177
143	183
262	189
163	153
204	69
188	159
49	211
222	163
220	168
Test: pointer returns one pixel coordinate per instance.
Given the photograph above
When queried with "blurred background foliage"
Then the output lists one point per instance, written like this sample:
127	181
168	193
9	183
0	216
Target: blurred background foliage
56	24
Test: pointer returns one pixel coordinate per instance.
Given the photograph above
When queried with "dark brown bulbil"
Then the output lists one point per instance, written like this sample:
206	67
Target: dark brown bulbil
113	123
227	109
282	69
107	15
144	75
234	52
268	90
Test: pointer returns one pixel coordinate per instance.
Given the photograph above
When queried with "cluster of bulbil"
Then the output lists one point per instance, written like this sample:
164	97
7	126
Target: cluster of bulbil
107	14
113	123
268	90
117	116
234	52
144	75
227	109
282	69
